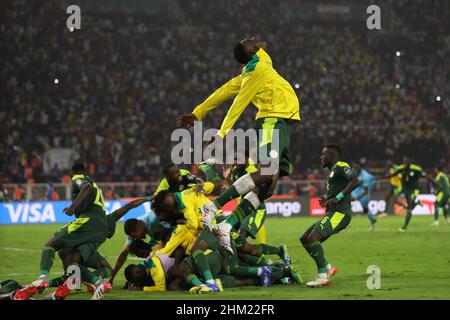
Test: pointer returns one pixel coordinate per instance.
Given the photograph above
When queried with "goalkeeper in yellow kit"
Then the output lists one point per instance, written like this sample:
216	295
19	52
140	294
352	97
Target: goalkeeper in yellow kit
278	107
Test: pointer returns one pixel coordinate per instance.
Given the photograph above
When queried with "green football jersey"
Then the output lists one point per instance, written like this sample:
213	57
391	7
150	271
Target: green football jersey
209	172
93	203
339	177
410	176
443	182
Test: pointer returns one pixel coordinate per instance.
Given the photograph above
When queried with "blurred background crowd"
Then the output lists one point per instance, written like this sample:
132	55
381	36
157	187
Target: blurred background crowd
108	94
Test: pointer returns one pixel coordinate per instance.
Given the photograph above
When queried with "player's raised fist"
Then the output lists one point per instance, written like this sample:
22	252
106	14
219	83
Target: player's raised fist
69	211
186	120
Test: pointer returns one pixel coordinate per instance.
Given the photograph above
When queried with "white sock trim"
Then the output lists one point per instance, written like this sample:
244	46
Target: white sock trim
244	184
253	199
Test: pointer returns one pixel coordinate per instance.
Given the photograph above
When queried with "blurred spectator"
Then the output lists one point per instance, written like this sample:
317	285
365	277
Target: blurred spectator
4	197
19	193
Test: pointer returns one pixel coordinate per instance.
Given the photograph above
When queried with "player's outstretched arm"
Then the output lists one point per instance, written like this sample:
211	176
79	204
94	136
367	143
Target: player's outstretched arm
224	93
120	261
251	84
119	213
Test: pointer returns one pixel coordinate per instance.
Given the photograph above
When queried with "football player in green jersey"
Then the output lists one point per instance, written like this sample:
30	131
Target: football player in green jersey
90	227
411	173
442	186
342	180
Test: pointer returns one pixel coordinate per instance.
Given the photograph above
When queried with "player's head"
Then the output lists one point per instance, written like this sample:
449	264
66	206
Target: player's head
78	168
165	207
136	275
406	161
438	169
389	163
246	48
135	229
172	174
331	154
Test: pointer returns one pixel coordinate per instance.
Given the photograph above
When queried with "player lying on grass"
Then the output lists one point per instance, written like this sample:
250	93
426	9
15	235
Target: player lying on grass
341	181
184	206
442	186
203	272
278	106
95	280
246	254
137	230
411	174
167	210
362	193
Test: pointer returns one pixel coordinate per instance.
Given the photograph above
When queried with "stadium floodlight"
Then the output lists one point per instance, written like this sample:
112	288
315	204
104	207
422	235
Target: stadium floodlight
438	98
297	85
398	53
397	86
56	81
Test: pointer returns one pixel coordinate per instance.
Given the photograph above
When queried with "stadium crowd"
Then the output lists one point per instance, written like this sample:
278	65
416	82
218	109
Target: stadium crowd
111	91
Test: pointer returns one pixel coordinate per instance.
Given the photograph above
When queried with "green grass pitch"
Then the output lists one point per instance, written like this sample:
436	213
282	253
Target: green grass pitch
415	265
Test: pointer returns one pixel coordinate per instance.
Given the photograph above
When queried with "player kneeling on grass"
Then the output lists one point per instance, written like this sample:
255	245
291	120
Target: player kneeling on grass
341	181
87	256
89	227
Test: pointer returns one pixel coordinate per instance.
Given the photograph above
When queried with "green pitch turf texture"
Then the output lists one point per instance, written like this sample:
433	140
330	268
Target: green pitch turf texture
414	265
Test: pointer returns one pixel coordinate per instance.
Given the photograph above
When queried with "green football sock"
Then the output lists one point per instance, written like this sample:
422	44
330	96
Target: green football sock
88	276
193	280
56	282
445	212
103	272
277	276
244	209
436	213
316	252
266	249
242	272
202	265
47	258
407	218
228	195
252	260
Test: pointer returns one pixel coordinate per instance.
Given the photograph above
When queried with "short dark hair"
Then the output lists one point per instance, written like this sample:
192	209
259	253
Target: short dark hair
335	147
240	54
167	167
78	167
157	202
130	226
136	275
